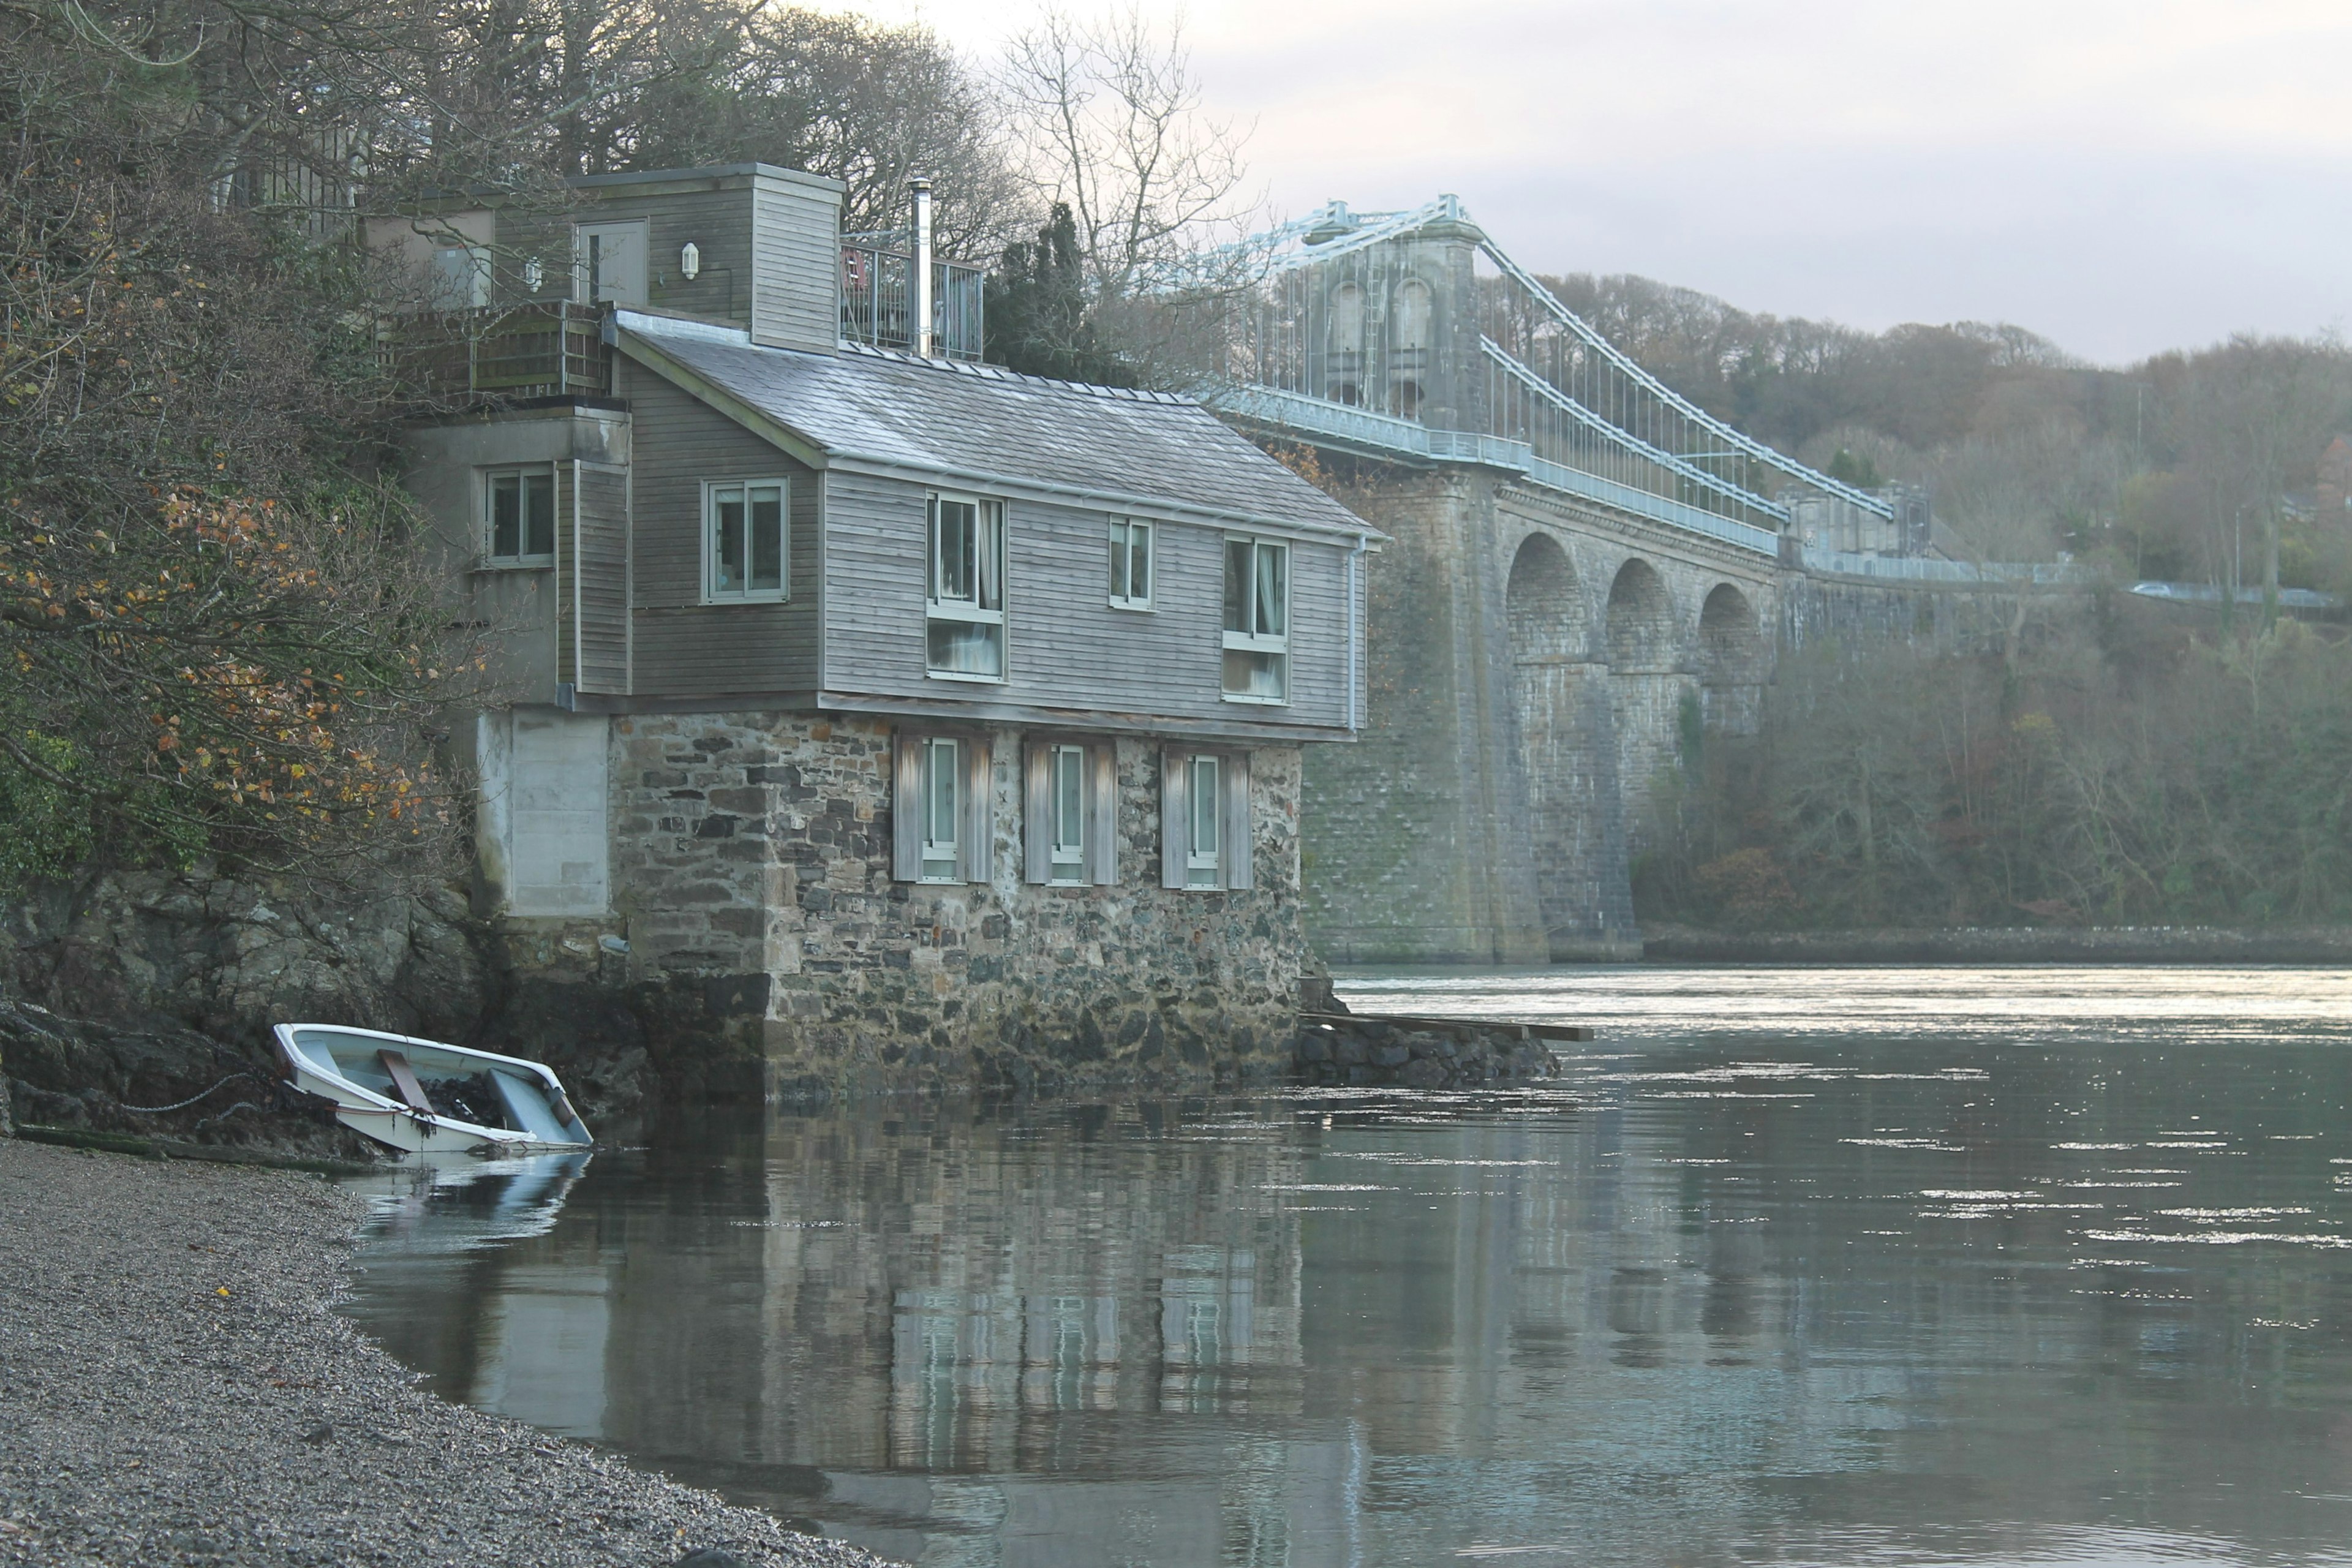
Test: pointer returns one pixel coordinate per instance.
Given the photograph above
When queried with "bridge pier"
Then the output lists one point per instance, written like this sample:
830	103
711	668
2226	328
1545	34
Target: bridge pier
1414	842
1533	663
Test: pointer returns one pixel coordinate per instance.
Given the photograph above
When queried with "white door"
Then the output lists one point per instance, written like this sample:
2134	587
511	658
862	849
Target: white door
608	263
557	855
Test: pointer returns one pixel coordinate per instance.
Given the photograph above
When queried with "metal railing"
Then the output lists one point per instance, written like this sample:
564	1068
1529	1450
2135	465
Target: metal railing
550	350
1386	435
1928	569
878	304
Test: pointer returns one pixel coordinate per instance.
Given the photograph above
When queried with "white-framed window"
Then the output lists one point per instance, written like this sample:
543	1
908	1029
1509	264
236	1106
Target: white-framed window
745	539
1203	852
1257	620
1205	839
608	263
1130	565
1069	818
519	516
941	819
964	601
1066	816
942	808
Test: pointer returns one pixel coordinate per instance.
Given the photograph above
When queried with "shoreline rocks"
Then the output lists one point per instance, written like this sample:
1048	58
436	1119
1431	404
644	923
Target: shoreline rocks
1412	1052
160	1082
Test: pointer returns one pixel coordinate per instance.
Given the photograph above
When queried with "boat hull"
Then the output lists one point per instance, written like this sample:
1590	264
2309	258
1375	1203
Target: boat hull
374	1080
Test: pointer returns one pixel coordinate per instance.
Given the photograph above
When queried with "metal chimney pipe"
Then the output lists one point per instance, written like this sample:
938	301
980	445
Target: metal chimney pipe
921	187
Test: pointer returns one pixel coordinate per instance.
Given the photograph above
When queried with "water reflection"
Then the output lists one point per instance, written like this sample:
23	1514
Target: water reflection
2016	1294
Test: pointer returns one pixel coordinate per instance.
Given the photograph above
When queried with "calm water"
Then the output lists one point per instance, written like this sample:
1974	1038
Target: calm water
1839	1267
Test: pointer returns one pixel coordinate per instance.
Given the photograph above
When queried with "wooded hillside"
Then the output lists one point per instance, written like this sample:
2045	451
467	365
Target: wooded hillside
2187	466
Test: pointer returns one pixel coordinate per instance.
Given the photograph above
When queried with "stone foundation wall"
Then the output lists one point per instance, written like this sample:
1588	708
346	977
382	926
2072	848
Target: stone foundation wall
774	954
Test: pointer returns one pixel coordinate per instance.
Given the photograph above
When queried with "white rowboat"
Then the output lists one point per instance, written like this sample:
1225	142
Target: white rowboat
427	1097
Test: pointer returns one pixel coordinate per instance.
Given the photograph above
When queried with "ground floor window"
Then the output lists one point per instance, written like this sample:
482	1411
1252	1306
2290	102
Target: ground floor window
1066	840
1204	820
941	822
1203	865
942	798
1069	817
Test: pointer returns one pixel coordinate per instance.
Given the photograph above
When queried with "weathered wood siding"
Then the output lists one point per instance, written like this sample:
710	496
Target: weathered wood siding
596	602
1068	648
714	212
683	646
796	298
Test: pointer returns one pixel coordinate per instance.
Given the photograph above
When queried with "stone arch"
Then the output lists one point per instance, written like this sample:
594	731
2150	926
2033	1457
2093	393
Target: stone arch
1640	620
1731	649
1413	317
1567	752
1343	344
1731	661
1544	603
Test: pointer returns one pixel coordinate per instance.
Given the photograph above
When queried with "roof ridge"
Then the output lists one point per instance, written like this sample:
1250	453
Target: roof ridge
1005	372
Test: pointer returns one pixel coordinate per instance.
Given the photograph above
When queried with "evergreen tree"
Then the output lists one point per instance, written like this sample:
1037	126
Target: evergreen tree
1038	317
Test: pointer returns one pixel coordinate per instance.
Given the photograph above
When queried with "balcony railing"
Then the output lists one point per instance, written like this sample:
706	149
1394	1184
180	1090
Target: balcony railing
552	350
877	305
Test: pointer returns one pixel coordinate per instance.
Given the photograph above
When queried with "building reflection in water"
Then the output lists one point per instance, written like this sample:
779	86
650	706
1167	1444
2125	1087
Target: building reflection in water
1565	1326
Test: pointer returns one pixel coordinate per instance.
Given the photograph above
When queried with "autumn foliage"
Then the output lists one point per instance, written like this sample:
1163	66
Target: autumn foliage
217	624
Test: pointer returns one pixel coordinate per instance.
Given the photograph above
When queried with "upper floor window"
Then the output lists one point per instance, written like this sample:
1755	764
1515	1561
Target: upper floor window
608	263
461	278
1257	621
519	516
964	603
744	537
1130	565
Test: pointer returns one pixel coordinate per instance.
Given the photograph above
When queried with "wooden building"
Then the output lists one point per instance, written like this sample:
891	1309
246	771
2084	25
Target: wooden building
881	718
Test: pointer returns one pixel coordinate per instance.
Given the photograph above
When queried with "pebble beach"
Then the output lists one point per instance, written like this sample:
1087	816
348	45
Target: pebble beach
175	1389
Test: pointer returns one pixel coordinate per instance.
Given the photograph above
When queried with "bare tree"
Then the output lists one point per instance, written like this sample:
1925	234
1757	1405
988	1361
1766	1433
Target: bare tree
1111	113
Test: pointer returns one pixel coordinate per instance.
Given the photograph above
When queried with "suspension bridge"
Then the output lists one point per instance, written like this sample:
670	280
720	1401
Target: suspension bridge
1587	573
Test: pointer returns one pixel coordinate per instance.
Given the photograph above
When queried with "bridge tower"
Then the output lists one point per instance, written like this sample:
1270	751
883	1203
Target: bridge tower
1581	574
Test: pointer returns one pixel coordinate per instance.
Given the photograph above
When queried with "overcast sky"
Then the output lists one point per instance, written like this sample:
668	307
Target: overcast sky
2121	175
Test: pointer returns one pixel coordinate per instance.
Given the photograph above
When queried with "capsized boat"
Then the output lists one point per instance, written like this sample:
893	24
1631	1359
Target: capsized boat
427	1097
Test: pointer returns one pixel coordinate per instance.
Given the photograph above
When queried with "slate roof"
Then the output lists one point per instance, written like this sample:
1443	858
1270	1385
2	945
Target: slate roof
978	422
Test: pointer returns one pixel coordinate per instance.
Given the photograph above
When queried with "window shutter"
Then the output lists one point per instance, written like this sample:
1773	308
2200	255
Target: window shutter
1037	813
1102	814
1239	851
905	807
978	846
1175	826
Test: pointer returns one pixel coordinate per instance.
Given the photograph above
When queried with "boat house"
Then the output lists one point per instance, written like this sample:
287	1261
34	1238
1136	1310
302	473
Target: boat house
881	718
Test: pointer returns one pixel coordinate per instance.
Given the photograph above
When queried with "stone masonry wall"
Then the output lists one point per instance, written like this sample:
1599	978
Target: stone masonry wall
752	865
1415	840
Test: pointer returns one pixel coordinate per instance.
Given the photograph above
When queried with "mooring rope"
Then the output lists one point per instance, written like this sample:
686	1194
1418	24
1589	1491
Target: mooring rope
182	1105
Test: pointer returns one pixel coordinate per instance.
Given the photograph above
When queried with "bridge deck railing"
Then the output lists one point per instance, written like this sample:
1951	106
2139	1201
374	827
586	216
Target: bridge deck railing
1382	435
